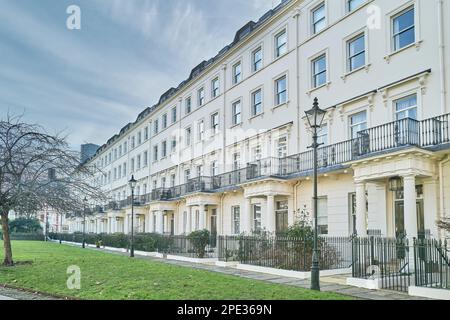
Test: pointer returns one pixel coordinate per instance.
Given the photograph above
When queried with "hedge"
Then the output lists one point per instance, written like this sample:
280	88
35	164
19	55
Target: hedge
148	242
35	236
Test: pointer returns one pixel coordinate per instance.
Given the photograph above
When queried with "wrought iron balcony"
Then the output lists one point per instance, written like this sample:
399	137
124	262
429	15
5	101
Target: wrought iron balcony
433	133
427	134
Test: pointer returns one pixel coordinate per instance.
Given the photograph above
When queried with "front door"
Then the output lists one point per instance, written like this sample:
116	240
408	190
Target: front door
213	221
281	216
172	224
400	218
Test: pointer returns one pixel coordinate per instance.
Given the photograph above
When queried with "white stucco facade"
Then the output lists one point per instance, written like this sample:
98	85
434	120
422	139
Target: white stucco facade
206	178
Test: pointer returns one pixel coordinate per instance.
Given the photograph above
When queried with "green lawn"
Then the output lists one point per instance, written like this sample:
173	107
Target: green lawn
110	276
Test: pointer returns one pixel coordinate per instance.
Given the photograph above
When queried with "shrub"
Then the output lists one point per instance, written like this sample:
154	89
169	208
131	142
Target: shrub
24	225
115	240
35	236
199	240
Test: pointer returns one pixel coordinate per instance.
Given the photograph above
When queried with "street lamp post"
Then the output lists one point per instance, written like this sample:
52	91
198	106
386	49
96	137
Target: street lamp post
315	117
132	184
84	222
60	227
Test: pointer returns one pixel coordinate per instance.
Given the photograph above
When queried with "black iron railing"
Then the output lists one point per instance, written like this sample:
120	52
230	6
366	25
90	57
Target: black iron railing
386	259
432	263
186	246
407	132
285	253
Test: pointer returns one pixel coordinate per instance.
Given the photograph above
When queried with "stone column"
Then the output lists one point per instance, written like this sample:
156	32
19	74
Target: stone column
202	218
291	210
151	224
189	221
430	206
270	213
361	223
410	206
247	216
125	224
159	222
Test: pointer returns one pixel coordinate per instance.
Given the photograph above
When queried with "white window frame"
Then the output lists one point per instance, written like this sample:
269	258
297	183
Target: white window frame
234	120
174	114
200	99
277	48
215	127
215	92
188	105
404	97
351	126
348	4
390	31
393	35
234	74
277	94
364	52
314	74
201	130
252	102
314	23
258	49
188	138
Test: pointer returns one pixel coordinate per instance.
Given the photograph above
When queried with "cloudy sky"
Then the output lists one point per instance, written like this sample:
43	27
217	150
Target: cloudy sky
89	83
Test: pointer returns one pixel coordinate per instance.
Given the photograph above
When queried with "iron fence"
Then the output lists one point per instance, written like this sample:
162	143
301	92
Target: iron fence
432	263
386	259
286	253
189	246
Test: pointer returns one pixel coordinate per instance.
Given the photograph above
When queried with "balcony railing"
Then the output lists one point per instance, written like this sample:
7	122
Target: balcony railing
429	133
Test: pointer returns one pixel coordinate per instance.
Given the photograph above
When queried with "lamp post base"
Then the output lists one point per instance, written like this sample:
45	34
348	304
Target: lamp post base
315	273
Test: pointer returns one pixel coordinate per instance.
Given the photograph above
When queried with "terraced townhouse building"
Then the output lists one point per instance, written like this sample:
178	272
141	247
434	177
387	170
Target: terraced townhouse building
227	150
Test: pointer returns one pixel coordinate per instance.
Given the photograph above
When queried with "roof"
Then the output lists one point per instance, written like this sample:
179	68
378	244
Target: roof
241	34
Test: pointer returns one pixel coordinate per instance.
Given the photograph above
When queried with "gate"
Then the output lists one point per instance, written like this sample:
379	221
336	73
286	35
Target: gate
386	259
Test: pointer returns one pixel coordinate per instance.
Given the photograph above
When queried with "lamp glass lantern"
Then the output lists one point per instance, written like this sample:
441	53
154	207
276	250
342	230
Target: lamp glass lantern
132	183
395	184
315	115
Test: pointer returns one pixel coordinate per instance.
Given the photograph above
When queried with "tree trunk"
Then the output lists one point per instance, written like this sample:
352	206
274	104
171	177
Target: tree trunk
8	261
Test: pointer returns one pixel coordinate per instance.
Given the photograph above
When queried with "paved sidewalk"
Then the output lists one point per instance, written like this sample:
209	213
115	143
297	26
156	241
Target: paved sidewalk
14	294
335	284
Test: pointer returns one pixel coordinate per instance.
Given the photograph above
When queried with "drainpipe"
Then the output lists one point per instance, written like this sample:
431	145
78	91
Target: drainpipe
442	55
297	58
224	125
298	184
441	191
221	212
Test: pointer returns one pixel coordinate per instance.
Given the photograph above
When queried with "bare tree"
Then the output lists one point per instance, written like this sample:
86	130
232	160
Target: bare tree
27	153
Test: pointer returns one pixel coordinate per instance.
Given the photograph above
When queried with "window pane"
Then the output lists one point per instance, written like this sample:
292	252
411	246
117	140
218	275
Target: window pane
357	46
319	13
257	60
403	28
320	65
357	61
404	21
404	39
353	4
257	106
281	41
358	118
281	85
406	108
319	19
